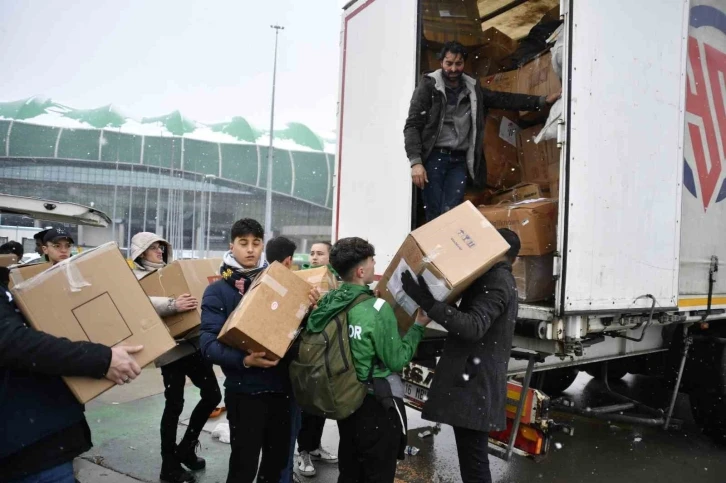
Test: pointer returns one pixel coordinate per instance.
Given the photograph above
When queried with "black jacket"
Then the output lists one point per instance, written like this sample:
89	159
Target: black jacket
426	118
219	301
41	422
469	389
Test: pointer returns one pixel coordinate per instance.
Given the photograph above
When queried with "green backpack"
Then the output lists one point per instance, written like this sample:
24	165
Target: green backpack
323	375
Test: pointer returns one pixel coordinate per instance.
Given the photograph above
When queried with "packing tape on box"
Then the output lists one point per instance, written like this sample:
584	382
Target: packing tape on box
302	311
433	254
75	280
274	285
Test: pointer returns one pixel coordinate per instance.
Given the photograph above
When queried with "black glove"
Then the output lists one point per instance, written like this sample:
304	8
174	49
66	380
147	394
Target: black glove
419	292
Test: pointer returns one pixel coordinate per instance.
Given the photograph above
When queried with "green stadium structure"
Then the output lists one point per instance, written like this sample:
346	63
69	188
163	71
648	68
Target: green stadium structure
159	174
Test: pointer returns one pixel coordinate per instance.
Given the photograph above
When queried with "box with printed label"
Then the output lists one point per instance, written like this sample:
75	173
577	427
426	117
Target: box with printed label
502	82
535	221
94	297
450	252
534	277
500	149
268	318
319	277
180	277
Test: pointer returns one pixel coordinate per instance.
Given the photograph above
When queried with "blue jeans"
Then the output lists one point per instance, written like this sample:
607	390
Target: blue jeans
58	474
447	183
296	422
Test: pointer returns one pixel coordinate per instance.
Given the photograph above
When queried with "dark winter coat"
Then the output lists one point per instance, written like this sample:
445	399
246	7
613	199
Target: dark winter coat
41	422
469	389
428	108
219	301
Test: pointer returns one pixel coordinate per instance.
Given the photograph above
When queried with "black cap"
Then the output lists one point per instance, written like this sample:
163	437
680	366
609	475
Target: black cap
40	235
55	234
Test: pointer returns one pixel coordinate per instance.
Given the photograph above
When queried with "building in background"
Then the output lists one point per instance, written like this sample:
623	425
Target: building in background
182	179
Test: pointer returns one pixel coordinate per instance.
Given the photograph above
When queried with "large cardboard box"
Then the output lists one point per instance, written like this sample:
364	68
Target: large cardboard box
450	252
520	192
535	221
535	158
320	277
25	272
445	20
500	150
180	277
538	78
268	318
534	277
502	82
94	297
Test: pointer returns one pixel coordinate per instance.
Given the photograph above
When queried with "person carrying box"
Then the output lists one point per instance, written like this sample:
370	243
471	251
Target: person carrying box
149	253
469	390
43	427
373	437
257	390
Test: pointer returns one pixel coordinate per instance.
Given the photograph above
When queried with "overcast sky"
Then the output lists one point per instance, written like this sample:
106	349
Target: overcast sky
211	59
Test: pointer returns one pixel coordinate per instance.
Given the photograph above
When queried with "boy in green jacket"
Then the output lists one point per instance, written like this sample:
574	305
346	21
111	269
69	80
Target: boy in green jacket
371	439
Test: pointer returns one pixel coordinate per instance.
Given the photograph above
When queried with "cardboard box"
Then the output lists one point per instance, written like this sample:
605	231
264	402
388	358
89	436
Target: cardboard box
502	82
180	277
535	221
452	20
534	277
268	318
520	192
320	277
451	252
8	259
94	297
538	78
535	158
500	150
25	272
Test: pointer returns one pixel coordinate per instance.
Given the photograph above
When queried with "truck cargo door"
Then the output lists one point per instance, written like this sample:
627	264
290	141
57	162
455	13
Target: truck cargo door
620	219
377	77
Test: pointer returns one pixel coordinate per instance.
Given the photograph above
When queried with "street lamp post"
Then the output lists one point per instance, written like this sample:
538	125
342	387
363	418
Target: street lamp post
268	194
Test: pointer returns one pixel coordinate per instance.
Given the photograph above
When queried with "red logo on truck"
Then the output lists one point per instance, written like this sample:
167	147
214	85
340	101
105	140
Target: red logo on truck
706	109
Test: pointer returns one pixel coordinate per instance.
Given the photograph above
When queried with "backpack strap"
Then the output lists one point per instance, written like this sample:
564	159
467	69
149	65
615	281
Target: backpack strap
360	298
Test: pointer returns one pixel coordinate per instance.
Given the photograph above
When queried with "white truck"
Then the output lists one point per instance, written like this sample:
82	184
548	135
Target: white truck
642	219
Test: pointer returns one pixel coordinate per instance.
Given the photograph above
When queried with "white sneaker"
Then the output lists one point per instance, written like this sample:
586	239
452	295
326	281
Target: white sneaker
321	455
305	464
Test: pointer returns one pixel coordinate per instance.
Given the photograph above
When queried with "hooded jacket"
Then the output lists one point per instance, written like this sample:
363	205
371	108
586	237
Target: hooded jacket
428	109
164	306
373	331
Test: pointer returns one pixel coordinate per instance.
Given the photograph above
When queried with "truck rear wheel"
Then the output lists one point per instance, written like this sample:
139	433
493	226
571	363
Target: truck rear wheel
555	381
709	411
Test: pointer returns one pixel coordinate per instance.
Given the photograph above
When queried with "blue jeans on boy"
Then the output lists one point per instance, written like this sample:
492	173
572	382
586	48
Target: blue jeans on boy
445	190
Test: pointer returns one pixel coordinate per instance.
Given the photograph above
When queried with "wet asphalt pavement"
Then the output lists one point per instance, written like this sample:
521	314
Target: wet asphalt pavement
125	429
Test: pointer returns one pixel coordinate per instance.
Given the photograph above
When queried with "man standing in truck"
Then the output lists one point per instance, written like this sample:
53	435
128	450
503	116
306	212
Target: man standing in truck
469	390
444	129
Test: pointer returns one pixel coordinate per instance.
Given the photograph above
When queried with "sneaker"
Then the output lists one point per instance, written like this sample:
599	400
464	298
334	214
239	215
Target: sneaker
321	455
305	464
